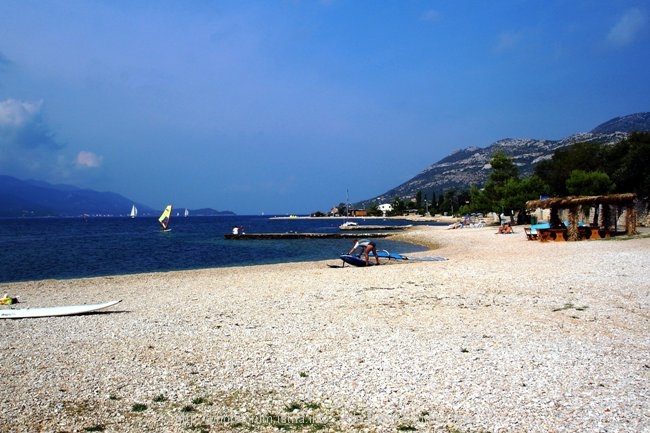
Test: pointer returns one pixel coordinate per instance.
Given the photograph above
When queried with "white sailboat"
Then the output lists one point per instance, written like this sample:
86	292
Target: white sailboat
134	212
187	213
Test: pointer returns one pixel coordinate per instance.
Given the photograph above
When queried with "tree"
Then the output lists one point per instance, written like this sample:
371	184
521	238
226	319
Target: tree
517	192
503	171
628	165
373	210
505	192
398	206
448	201
478	200
580	156
581	182
418	200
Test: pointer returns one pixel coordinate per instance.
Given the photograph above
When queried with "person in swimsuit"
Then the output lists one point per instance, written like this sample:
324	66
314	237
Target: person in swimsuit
368	246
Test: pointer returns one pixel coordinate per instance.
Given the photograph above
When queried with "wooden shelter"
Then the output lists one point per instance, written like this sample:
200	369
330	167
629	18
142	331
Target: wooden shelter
604	203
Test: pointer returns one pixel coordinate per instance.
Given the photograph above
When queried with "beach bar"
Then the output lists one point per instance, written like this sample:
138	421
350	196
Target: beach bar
603	224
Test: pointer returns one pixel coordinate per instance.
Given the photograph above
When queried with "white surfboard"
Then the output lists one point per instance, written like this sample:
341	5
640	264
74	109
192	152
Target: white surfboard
66	310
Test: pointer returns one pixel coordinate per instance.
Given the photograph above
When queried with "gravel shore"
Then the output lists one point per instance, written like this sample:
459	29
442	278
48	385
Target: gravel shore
507	335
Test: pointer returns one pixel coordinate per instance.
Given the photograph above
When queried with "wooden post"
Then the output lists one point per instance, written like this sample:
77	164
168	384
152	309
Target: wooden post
630	220
572	230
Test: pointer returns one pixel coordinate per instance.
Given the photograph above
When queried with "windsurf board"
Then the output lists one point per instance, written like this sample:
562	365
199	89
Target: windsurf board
353	260
66	310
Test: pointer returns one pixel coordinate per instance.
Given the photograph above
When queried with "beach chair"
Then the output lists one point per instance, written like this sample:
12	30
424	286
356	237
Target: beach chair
531	233
535	235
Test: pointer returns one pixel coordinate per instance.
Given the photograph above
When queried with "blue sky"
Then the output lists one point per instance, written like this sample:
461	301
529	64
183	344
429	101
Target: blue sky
283	106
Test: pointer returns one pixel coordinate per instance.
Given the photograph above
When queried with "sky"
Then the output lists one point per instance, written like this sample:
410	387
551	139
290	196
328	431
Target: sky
295	106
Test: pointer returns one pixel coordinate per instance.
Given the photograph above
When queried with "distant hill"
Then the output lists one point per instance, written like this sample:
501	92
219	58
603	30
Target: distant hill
33	198
470	166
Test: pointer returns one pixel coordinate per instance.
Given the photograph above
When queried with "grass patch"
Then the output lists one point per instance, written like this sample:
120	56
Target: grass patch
159	398
199	400
138	407
292	406
570	306
98	427
188	408
406	427
303	374
201	428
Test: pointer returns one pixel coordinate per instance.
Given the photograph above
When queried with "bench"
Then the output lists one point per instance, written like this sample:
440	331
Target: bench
559	235
544	235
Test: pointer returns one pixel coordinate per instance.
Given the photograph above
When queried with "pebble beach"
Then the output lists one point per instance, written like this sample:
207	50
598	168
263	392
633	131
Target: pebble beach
506	335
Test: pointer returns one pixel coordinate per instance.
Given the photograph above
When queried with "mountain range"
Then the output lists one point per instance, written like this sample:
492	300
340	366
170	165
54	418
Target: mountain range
471	165
465	167
33	198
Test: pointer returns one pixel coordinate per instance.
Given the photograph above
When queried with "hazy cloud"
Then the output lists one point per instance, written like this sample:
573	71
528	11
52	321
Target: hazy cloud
430	15
627	28
507	41
88	159
28	148
22	126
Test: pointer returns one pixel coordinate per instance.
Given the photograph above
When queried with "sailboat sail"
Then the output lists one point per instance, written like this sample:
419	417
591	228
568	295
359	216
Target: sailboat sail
187	212
134	212
165	217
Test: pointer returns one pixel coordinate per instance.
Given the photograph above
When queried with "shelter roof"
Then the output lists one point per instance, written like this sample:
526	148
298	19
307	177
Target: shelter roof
571	201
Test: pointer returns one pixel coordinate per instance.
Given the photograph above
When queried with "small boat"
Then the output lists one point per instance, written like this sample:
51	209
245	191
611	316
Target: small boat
134	212
187	213
165	218
348	225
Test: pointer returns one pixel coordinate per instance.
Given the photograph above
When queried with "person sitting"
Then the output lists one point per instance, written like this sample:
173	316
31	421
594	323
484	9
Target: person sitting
505	229
368	247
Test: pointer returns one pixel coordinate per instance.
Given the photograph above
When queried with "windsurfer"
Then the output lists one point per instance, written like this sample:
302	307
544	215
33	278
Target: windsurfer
368	246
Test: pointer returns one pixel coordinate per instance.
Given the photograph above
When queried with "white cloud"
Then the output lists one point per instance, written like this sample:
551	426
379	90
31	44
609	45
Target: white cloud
15	114
88	159
29	148
627	27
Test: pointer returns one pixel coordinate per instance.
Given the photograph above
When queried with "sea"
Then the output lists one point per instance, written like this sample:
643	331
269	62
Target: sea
64	248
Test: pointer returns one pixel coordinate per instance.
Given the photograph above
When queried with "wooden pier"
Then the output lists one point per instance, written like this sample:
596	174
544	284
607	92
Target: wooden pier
291	235
373	227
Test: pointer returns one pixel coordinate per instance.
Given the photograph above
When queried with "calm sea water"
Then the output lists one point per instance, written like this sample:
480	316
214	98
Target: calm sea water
35	249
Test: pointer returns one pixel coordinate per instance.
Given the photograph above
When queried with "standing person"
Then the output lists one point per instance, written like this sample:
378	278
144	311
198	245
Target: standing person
368	246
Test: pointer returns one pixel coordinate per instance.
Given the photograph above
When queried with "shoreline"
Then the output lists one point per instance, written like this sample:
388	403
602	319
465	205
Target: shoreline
507	335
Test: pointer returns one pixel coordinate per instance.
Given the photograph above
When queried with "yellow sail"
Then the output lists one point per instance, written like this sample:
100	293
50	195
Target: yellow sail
165	217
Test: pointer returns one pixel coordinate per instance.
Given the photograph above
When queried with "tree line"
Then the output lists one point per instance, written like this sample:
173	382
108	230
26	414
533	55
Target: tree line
579	169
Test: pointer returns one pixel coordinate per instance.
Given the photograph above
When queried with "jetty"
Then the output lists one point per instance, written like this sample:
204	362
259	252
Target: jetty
292	235
372	227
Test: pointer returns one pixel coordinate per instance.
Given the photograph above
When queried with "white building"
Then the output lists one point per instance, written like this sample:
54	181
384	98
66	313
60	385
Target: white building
385	208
